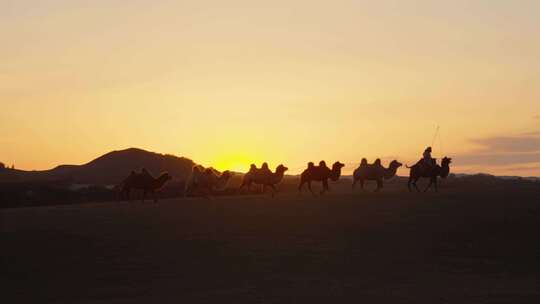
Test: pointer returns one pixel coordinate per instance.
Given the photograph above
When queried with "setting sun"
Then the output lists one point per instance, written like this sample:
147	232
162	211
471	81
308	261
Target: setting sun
395	144
289	82
235	162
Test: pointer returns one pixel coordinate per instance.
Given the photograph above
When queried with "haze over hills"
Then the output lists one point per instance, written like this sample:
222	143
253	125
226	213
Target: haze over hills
110	168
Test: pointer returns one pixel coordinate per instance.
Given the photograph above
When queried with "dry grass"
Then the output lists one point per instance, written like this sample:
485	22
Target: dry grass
460	246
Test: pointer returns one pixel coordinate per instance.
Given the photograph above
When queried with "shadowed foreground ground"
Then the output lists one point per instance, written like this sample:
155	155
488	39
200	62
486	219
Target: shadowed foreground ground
394	247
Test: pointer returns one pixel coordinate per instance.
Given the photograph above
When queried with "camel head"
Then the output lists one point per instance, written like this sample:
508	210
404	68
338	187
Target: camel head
165	176
161	180
336	171
337	166
281	169
445	167
395	164
392	169
446	161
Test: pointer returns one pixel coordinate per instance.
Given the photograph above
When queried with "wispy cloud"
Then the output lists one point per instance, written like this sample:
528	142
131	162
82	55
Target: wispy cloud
524	168
503	151
497	159
524	143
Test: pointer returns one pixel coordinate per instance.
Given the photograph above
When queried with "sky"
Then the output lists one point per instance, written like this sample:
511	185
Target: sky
228	83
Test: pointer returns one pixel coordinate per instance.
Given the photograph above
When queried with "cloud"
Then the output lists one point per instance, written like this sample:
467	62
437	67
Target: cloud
494	159
524	168
524	143
503	151
536	117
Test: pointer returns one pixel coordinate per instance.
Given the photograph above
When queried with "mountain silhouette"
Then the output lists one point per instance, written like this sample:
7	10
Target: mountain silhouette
110	168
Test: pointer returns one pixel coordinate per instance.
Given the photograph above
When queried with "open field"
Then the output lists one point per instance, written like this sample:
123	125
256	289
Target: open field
469	245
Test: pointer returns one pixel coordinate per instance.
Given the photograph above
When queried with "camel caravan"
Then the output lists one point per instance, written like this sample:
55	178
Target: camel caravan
205	181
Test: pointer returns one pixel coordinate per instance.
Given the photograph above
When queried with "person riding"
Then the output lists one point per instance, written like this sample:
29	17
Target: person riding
252	168
426	158
377	163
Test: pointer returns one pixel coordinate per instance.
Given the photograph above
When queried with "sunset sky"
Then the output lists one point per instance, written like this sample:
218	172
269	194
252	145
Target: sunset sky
228	83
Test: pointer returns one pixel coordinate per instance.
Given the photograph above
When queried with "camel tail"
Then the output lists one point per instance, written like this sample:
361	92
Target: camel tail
408	167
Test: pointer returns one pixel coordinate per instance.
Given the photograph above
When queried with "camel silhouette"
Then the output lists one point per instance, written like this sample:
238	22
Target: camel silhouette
374	172
143	181
203	181
263	177
419	170
320	173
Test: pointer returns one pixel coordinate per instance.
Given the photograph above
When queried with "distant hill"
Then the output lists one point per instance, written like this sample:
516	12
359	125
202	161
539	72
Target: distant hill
110	168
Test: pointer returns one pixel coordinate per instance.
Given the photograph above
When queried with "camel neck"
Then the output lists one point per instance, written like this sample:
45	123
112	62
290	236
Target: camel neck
277	176
334	174
445	170
390	172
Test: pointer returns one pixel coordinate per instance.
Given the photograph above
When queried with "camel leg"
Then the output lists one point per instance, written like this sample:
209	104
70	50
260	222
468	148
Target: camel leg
203	192
354	182
274	190
436	184
415	185
325	187
244	184
143	196
409	184
309	187
429	185
241	187
263	186
379	185
187	190
362	184
154	196
301	185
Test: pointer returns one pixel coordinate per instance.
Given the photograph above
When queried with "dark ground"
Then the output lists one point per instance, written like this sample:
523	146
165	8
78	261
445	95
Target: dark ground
463	245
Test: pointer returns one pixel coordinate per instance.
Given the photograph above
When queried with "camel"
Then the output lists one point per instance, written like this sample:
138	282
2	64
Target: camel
205	180
417	171
264	177
143	181
374	172
320	173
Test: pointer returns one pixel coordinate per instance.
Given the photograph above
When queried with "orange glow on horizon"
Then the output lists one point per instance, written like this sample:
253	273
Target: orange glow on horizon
228	84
